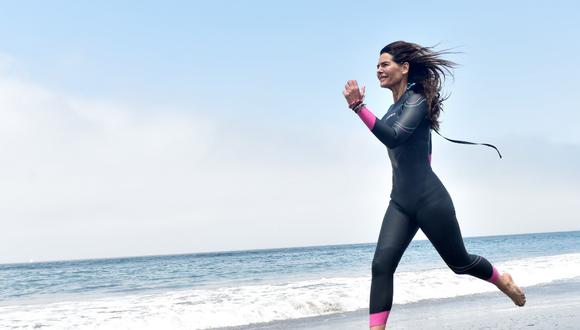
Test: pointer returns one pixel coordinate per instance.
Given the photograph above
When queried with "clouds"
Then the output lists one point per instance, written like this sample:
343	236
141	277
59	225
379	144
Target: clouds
69	162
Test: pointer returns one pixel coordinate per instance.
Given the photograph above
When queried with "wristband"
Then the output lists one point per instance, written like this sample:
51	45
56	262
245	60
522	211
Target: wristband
354	104
357	108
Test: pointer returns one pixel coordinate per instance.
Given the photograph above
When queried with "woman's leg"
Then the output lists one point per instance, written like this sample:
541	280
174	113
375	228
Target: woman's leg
437	220
397	231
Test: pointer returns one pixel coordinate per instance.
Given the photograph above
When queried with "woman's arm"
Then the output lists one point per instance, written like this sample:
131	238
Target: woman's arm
413	112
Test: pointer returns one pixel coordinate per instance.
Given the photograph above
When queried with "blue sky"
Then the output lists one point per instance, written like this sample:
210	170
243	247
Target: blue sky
132	128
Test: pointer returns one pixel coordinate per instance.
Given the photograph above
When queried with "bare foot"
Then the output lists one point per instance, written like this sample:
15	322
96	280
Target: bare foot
506	285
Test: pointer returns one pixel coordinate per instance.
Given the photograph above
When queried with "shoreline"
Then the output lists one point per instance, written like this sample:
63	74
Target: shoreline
554	305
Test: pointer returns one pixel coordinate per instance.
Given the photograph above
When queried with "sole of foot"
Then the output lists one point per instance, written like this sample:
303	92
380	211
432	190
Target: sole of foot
513	291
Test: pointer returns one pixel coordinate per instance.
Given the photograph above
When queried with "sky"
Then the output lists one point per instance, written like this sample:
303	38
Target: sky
134	128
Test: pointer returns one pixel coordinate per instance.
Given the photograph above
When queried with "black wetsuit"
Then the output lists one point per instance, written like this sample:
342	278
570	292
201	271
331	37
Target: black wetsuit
418	200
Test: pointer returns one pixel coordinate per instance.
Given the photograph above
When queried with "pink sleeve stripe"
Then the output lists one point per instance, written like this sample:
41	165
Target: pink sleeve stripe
367	117
378	318
494	276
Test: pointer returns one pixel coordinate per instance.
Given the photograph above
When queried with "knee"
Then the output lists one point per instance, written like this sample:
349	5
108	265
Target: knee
385	263
381	267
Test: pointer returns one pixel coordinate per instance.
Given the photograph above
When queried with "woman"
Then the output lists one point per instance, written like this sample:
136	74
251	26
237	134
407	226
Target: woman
418	199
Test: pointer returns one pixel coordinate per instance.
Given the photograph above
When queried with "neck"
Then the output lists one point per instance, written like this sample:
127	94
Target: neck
399	90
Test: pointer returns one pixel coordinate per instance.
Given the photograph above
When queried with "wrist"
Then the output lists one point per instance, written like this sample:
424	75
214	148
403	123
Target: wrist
354	104
358	107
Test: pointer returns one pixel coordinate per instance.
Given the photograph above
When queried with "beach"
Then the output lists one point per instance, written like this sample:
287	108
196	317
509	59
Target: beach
549	306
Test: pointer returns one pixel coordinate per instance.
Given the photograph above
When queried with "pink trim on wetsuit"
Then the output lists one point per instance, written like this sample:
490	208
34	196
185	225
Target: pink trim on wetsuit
379	318
494	276
367	117
429	158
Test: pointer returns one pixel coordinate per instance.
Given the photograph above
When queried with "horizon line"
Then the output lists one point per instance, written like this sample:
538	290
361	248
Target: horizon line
246	250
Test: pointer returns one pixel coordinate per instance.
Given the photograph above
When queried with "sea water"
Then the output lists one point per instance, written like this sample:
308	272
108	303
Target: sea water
210	290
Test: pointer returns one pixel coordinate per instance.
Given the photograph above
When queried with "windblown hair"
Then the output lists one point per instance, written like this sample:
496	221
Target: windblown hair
427	70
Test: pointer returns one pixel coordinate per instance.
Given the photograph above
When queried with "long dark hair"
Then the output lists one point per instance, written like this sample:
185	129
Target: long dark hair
427	70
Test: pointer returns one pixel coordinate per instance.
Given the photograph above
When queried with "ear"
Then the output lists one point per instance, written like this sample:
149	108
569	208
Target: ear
405	68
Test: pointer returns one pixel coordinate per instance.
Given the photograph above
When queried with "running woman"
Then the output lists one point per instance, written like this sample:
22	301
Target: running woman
414	75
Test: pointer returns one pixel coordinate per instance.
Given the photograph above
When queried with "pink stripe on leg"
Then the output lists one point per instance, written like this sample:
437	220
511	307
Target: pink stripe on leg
367	117
494	276
379	318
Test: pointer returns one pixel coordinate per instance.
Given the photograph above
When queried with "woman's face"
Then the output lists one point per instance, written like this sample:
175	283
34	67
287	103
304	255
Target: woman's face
389	72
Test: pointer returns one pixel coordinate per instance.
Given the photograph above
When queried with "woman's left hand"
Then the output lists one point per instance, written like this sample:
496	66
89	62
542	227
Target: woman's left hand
352	93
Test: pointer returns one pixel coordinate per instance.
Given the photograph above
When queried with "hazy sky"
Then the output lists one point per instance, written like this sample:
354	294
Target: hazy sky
141	127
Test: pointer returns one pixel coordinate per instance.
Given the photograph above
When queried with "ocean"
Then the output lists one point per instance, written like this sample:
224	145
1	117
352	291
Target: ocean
224	289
